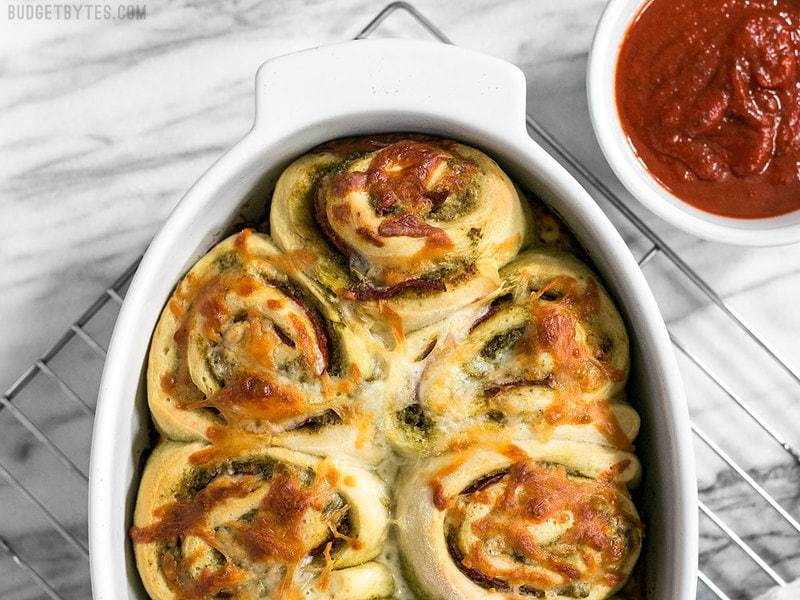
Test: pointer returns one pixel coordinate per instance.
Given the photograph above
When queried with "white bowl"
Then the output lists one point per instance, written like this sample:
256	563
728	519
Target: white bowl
369	87
619	153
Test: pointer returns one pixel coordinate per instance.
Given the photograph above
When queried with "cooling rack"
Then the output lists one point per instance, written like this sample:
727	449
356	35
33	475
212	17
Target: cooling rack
46	417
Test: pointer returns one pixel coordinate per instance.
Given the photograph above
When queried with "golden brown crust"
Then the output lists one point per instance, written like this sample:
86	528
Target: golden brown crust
260	516
247	342
422	224
547	355
520	520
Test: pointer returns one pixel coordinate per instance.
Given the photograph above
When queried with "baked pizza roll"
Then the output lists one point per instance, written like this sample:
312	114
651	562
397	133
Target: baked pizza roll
259	523
414	354
545	356
247	343
413	227
522	520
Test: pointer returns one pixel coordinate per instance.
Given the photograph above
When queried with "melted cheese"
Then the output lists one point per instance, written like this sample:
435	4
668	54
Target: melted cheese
267	358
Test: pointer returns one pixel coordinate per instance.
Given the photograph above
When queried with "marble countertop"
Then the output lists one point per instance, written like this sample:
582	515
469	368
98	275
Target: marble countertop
105	124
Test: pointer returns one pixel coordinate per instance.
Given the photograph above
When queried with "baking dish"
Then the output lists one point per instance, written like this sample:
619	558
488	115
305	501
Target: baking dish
369	87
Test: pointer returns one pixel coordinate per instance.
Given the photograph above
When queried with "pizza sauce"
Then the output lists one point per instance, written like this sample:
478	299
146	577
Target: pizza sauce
708	93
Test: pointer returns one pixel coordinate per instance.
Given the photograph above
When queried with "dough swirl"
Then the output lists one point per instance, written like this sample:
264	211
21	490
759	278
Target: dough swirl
262	520
416	224
523	520
547	355
248	343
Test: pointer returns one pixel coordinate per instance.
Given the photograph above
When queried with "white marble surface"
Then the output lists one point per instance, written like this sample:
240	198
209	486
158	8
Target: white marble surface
103	126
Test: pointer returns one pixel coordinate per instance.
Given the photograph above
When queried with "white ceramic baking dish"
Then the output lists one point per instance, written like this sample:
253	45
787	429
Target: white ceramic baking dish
369	87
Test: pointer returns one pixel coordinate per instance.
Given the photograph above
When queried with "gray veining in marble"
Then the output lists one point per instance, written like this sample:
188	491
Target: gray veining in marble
104	125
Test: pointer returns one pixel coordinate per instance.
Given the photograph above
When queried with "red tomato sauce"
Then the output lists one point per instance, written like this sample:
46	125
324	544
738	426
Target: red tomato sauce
708	93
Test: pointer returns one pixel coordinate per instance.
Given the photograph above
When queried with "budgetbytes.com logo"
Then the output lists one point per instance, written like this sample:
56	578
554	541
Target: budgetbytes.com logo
34	10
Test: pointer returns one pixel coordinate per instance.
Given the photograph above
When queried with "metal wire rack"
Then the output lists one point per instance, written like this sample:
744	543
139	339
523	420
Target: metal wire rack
61	388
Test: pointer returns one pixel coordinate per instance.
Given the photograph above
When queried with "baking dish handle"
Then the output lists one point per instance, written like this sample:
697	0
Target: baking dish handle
389	78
